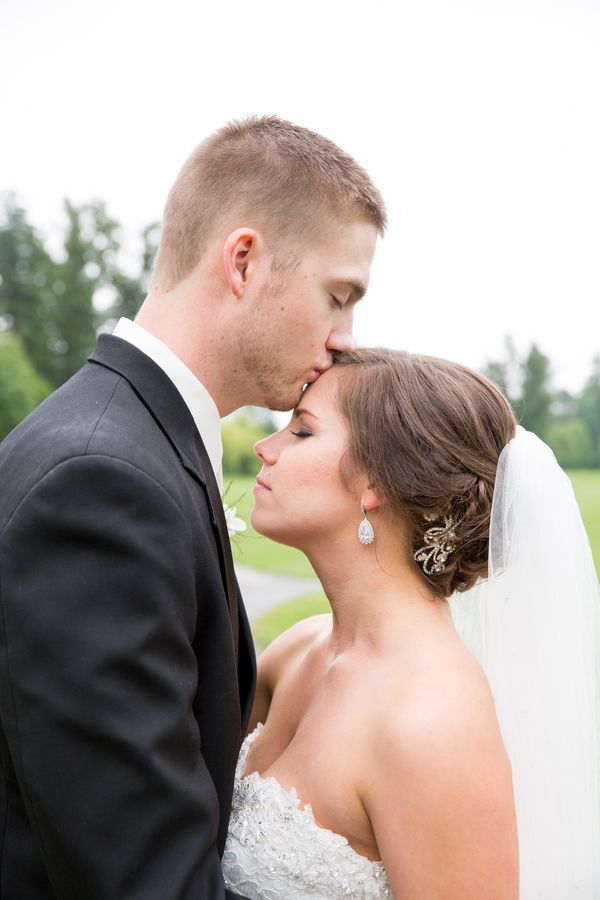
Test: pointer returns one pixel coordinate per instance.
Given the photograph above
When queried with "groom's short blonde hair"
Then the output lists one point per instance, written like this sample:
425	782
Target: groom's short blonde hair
263	172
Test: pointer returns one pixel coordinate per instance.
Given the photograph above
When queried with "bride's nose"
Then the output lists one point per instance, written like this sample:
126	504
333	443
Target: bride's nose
265	450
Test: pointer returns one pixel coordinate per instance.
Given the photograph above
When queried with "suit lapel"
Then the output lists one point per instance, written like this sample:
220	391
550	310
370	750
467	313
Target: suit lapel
246	668
225	557
167	406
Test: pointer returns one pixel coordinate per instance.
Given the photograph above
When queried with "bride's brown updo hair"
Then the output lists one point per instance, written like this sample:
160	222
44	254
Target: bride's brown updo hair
428	434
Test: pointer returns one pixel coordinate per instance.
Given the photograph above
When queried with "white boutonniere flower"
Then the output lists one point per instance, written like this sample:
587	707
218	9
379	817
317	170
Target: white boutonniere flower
235	525
233	522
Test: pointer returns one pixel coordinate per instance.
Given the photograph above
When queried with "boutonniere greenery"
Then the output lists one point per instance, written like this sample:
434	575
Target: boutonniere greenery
235	525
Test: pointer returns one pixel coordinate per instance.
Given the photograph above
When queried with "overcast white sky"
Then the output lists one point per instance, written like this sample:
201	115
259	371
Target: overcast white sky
479	121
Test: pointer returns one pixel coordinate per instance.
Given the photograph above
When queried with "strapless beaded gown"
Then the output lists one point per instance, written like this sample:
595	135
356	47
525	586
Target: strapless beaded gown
276	851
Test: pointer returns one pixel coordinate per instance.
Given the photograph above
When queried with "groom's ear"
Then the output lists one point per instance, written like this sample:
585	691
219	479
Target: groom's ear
238	251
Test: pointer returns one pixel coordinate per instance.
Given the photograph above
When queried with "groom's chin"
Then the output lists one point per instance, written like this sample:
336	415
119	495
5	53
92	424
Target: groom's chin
283	402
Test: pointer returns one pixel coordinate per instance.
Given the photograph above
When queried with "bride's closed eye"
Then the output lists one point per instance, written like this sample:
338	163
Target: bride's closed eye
303	433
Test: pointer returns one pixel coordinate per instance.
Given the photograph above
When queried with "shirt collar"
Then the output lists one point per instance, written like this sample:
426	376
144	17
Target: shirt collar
197	399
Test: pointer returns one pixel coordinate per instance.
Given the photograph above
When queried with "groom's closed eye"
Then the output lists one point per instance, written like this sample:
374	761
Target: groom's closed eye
355	290
352	291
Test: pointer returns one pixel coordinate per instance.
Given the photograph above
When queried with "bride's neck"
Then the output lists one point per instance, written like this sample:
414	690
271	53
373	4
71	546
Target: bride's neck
377	598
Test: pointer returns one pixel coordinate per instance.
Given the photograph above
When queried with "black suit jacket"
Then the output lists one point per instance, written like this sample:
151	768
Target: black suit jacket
124	689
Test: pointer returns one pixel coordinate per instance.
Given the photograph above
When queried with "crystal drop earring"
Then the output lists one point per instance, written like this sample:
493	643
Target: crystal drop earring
366	535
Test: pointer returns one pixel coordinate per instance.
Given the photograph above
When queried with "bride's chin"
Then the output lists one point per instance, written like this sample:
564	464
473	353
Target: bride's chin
255	522
272	532
261	527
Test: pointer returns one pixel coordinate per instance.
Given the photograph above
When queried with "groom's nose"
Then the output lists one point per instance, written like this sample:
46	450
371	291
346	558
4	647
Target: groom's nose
340	336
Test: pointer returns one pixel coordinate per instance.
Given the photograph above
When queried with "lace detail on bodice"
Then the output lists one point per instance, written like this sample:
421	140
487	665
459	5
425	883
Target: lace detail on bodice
276	851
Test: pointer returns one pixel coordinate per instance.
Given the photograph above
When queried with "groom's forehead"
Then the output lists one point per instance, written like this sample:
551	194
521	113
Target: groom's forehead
345	259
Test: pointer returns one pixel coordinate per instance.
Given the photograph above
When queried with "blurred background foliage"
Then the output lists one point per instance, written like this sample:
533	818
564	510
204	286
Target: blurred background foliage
53	305
569	423
239	433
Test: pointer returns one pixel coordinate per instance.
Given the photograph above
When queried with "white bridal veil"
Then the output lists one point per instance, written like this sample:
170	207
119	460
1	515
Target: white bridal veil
534	624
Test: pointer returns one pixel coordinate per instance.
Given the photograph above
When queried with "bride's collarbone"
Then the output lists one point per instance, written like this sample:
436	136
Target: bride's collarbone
324	705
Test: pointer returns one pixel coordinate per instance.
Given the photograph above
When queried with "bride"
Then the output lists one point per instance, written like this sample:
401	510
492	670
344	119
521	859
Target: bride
410	745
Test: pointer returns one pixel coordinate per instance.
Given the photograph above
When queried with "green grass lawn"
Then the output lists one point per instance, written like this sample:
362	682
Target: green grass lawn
268	626
586	484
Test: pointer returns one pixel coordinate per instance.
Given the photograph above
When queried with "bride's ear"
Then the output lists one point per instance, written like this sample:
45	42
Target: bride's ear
370	499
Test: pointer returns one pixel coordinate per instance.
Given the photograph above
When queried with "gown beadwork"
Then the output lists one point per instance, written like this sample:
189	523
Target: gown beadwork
276	851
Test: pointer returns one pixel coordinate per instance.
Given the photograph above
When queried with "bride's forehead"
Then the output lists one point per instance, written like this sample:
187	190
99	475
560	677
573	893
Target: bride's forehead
321	392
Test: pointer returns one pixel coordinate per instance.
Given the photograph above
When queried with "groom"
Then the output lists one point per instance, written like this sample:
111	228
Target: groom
126	661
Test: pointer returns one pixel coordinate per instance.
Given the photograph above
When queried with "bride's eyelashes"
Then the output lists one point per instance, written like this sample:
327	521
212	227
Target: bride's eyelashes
303	433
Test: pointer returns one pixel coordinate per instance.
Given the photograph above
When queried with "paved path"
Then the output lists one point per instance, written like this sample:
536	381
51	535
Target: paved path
264	590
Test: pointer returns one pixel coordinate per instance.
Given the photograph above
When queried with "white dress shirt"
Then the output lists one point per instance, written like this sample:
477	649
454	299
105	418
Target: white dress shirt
196	397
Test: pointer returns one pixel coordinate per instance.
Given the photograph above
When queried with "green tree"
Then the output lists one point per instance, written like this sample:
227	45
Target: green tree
588	409
90	251
564	405
571	441
21	388
130	290
506	373
49	303
27	274
536	395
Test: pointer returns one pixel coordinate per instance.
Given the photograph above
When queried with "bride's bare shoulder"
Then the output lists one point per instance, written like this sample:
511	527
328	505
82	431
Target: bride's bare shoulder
280	657
440	697
293	642
440	792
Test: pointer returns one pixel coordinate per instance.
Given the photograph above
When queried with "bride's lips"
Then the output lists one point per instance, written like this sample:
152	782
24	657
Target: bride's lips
260	486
